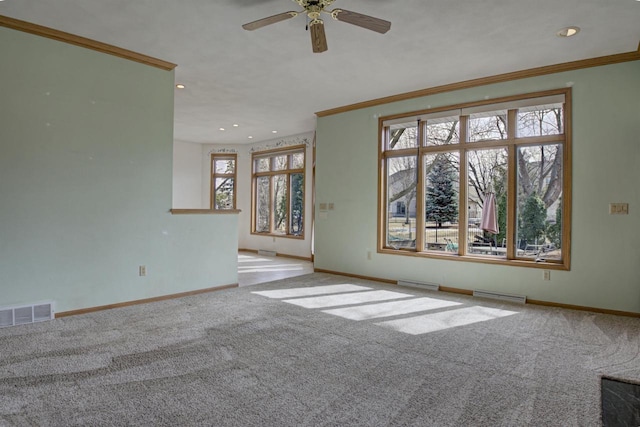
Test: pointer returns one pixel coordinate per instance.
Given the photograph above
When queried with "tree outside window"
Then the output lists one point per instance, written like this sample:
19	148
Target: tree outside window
443	164
223	181
278	192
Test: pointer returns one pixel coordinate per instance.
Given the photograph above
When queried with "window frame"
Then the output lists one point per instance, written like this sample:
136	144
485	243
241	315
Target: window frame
271	173
463	147
215	175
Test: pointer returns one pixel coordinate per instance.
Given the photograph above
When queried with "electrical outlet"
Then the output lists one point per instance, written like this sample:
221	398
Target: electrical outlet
618	208
142	270
547	275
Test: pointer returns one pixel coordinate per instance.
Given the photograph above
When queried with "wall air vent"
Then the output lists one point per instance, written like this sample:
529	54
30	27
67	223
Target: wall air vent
22	315
520	299
420	285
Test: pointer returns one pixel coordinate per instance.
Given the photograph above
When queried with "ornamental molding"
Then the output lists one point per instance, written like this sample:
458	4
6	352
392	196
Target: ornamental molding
284	142
222	151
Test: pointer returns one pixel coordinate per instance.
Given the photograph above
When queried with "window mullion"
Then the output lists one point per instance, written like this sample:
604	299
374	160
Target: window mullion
512	200
420	188
512	184
463	211
289	182
272	206
254	202
383	212
566	182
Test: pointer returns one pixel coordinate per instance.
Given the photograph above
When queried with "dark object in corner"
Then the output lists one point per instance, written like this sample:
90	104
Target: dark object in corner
620	402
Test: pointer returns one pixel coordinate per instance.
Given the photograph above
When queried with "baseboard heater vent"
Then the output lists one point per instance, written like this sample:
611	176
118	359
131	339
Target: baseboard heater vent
520	299
13	316
265	252
420	285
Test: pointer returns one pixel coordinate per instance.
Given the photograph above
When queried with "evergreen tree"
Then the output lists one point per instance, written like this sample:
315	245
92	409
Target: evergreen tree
532	225
297	206
555	230
502	218
441	202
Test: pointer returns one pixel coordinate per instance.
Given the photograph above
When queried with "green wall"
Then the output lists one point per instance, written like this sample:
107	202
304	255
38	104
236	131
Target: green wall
85	182
605	269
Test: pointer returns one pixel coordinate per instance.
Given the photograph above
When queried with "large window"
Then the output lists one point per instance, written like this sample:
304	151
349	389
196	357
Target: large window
484	181
278	192
223	181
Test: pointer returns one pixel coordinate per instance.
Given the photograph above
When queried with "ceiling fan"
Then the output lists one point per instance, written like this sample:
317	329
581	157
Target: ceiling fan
313	9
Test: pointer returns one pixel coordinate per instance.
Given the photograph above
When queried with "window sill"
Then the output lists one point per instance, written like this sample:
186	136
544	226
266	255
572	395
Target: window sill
547	265
284	236
204	211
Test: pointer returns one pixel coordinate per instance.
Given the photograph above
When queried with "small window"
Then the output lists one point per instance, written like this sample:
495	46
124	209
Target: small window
262	165
280	163
402	136
443	131
540	121
489	126
223	181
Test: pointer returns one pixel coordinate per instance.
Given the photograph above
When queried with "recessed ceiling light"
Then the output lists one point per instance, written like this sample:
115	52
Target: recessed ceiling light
274	131
221	128
568	32
250	137
178	86
235	125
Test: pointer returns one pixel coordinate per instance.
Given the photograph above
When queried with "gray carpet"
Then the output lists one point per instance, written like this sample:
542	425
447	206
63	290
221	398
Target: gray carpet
236	358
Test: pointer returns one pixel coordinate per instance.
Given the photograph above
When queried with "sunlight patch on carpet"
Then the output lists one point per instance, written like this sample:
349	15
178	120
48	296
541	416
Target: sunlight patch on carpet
346	299
444	320
388	309
246	258
310	290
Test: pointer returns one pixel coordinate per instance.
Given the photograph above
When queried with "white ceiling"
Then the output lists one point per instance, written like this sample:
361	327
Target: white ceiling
269	79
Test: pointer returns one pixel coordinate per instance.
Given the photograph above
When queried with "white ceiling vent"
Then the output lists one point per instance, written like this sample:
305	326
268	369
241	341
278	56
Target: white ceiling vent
12	316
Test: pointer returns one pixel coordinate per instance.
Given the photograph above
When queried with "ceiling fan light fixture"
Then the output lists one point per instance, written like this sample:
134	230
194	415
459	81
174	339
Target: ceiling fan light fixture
568	31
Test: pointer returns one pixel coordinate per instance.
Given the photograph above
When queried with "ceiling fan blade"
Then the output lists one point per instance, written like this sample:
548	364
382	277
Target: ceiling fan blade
365	21
318	38
270	20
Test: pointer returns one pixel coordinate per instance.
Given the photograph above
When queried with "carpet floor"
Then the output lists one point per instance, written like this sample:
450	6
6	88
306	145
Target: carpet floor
310	351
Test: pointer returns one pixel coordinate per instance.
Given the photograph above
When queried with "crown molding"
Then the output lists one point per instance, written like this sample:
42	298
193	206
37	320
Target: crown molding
39	30
500	78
